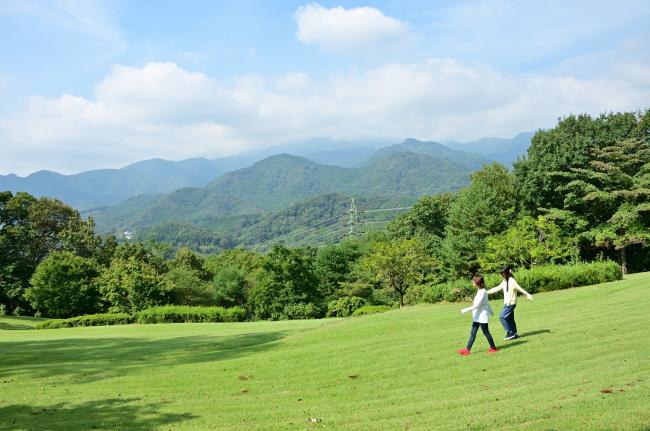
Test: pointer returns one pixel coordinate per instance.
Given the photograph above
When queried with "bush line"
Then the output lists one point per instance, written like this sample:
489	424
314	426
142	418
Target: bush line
161	314
537	279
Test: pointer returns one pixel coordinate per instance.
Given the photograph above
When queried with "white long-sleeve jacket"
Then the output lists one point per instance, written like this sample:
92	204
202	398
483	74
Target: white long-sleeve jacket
510	288
481	310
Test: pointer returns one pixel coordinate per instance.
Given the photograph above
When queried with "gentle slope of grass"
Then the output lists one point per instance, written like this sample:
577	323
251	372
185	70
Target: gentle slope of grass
583	363
18	322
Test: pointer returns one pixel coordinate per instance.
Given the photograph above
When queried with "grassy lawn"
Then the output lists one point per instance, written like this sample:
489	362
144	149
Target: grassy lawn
583	363
18	322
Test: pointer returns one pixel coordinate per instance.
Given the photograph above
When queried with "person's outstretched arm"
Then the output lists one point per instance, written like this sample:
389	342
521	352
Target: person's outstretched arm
521	289
495	289
477	302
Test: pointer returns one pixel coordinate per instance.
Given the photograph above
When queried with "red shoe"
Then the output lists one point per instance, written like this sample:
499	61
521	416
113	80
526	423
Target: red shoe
492	350
464	352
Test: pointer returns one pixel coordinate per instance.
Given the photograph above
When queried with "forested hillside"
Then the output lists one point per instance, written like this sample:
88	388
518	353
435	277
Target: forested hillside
319	220
278	182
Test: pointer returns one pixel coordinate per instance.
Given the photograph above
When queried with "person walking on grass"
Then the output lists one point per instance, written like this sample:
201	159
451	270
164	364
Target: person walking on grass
510	287
481	312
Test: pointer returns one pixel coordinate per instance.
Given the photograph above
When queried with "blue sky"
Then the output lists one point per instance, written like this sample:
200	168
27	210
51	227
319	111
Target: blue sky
90	84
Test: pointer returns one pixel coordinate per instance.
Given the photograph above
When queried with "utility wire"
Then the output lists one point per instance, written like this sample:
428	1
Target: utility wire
299	230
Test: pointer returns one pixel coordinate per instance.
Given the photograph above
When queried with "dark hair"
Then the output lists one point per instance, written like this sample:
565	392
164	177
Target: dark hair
478	281
506	271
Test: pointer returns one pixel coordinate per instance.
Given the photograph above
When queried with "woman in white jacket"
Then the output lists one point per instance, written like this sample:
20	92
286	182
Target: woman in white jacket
481	312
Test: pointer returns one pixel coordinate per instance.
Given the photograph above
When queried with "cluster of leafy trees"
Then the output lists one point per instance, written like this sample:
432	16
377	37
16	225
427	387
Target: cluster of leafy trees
582	193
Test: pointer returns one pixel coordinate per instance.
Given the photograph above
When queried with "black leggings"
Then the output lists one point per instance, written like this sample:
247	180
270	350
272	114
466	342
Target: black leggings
486	332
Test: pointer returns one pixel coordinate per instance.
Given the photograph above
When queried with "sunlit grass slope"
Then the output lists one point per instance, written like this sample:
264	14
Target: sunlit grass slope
583	363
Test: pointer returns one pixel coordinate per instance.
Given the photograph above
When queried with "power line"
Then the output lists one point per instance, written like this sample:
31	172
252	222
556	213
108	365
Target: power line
304	229
322	234
386	209
321	230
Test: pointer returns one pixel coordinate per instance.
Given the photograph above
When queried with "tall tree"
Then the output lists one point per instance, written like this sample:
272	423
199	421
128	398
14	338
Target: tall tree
612	193
30	229
400	264
288	279
485	208
569	145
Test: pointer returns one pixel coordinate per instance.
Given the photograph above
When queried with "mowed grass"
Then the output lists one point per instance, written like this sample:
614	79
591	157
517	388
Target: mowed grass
18	322
583	363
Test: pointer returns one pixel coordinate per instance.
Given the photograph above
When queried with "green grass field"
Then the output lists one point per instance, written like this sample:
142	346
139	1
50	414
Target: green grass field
583	363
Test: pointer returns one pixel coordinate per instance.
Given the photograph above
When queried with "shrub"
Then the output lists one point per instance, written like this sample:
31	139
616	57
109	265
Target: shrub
550	277
371	309
344	307
3	310
189	314
537	279
18	311
298	311
88	320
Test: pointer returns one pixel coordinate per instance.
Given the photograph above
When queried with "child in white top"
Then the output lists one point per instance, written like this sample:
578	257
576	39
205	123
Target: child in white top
481	312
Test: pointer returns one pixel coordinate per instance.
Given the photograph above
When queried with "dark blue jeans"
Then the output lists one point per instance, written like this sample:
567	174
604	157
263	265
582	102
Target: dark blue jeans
507	318
486	332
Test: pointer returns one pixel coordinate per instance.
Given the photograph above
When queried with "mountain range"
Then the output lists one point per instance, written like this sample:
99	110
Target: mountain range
280	181
250	199
106	187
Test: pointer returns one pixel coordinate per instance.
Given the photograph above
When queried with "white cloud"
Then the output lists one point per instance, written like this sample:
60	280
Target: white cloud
162	110
344	30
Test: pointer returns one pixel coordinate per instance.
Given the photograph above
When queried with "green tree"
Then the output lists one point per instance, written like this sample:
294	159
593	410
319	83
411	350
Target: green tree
186	258
149	253
230	287
63	286
30	229
187	287
532	241
569	145
287	280
612	193
130	284
400	264
428	217
334	264
247	261
485	208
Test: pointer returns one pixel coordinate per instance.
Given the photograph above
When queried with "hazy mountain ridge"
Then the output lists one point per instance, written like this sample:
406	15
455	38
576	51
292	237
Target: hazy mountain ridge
105	187
502	150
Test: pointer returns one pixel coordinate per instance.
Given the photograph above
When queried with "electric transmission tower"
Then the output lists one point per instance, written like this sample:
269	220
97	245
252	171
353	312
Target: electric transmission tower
353	220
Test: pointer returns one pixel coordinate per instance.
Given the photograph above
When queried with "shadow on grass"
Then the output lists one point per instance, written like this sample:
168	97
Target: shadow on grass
12	327
533	333
511	344
109	414
87	359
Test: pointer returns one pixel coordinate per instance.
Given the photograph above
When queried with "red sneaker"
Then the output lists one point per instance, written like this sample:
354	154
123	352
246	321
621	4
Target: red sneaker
464	352
492	350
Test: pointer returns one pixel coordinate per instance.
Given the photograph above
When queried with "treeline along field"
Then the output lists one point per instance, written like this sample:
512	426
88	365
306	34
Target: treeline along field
581	194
